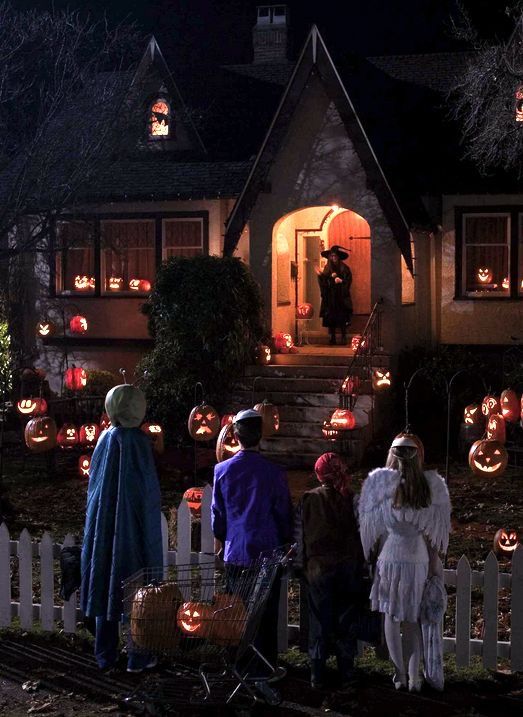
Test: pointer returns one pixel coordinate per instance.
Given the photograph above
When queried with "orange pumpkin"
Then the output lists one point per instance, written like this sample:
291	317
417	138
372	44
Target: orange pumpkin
45	329
40	434
155	433
343	420
194	619
32	406
193	496
350	385
75	378
487	457
105	422
270	417
496	428
67	436
228	620
89	434
329	432
472	415
510	408
226	445
304	311
203	423
78	324
381	379
283	342
153	616
505	542
84	466
262	355
490	404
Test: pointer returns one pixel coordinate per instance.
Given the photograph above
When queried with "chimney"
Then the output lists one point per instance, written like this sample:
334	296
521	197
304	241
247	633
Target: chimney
269	35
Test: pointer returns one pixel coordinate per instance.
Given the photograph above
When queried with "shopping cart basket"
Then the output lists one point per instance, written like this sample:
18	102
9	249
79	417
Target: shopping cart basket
205	618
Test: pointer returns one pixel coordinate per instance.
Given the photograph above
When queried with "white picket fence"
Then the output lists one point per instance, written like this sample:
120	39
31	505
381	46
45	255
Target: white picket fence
50	610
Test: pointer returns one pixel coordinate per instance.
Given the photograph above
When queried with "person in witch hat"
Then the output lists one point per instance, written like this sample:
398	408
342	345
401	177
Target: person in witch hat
335	282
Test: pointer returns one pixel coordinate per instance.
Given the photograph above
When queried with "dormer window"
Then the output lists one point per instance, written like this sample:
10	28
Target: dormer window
160	119
519	104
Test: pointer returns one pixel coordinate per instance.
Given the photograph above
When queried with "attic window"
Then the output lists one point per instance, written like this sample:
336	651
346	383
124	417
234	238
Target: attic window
160	119
519	104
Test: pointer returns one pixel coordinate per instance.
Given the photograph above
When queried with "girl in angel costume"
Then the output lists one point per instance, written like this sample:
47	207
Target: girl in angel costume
404	513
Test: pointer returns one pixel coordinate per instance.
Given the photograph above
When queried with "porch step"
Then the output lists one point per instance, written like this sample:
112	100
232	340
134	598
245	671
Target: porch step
325	356
297	371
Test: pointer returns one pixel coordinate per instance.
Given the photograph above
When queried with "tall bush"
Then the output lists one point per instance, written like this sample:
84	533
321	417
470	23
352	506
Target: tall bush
205	316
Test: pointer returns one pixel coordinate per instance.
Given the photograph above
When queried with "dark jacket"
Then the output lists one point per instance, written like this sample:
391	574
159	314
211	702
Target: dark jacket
336	302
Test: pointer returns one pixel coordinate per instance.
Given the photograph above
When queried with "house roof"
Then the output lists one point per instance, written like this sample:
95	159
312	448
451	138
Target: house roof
436	71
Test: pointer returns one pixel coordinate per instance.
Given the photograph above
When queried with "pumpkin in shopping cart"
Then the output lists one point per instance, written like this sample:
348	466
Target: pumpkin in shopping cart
229	617
194	619
153	616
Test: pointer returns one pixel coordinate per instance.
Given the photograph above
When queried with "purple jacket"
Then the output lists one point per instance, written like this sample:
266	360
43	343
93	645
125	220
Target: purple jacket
251	507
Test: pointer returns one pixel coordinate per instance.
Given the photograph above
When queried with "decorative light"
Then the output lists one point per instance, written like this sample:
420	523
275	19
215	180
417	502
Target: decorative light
490	404
343	419
487	457
472	415
67	436
381	379
304	311
484	275
84	283
203	423
505	284
75	378
84	466
356	342
78	324
505	541
45	328
142	285
115	283
283	342
32	406
89	434
329	431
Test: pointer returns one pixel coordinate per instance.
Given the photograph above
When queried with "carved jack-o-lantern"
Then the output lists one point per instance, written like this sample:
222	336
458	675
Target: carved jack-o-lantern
105	422
304	311
343	420
283	342
142	285
505	284
32	406
67	436
45	328
40	434
84	283
270	417
329	431
78	324
381	379
203	423
89	434
155	433
193	496
226	418
153	616
84	466
472	415
350	385
356	342
505	542
484	275
115	283
263	355
75	378
226	444
490	404
510	408
194	619
518	108
487	457
496	430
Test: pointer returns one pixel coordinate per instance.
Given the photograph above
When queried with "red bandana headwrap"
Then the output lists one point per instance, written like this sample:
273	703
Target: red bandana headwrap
331	470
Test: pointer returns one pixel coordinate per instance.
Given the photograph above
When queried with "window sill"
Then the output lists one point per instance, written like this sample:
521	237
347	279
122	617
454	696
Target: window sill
115	295
488	298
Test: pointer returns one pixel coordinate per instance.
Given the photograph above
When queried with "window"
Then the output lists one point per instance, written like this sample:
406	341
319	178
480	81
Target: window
518	110
408	295
486	255
183	237
74	263
160	120
127	255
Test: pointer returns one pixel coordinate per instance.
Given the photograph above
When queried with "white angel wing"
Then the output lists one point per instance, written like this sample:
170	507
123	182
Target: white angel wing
375	500
434	521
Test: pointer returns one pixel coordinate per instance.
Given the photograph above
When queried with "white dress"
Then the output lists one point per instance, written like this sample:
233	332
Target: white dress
403	562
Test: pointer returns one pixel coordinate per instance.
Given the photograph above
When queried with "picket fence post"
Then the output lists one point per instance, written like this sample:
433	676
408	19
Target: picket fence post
46	582
206	554
183	548
490	612
516	604
25	577
463	582
69	608
5	577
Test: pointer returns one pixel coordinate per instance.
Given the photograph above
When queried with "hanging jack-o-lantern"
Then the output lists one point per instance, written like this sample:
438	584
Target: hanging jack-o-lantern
270	417
226	419
472	415
283	342
343	419
105	422
226	444
89	434
203	423
45	329
356	342
84	465
75	378
510	407
193	496
67	436
304	311
153	616
263	355
32	406
487	457
142	285
155	433
40	434
329	431
78	324
350	385
381	379
194	619
496	429
84	283
505	542
490	404
518	109
115	283
484	275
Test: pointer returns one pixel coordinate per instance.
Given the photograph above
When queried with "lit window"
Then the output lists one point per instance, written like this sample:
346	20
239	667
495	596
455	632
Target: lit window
518	111
408	288
128	256
160	119
182	237
486	255
75	272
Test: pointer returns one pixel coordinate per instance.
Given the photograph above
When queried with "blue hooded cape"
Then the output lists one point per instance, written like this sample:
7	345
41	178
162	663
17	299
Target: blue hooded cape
123	522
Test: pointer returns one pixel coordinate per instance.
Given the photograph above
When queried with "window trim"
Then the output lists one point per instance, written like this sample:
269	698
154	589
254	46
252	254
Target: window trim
124	292
170	129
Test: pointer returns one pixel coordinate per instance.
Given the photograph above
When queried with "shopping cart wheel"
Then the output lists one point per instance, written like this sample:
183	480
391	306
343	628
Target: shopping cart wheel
270	695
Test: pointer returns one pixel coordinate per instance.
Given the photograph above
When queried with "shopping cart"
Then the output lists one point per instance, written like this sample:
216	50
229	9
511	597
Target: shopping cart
205	619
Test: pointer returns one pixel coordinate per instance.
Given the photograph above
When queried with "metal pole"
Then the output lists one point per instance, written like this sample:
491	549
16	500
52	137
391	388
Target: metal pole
407	389
449	400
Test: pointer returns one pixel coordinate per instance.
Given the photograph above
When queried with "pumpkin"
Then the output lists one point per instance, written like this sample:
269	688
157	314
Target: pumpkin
105	421
226	419
153	616
283	342
84	283
67	436
329	432
32	406
381	379
505	284
228	620
496	428
75	378
155	433
487	457
510	407
84	466
262	355
472	415
78	324
343	420
193	496
350	385
45	328
115	283
194	619
125	405
484	275
490	404
357	341
142	285
89	434
203	423
226	445
505	542
304	311
270	417
40	434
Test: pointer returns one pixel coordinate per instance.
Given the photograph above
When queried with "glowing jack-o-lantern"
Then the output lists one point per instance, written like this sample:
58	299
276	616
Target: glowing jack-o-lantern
105	422
505	284
381	379
356	342
84	465
75	378
484	275
490	404
510	407
505	542
40	434
226	444
194	619
487	457
67	436
226	419
262	355
32	406
115	283
142	285
472	415
270	417
329	431
350	385
203	423
496	430
84	283
155	433
343	419
45	328
193	496
304	311
518	108
89	434
283	342
78	325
